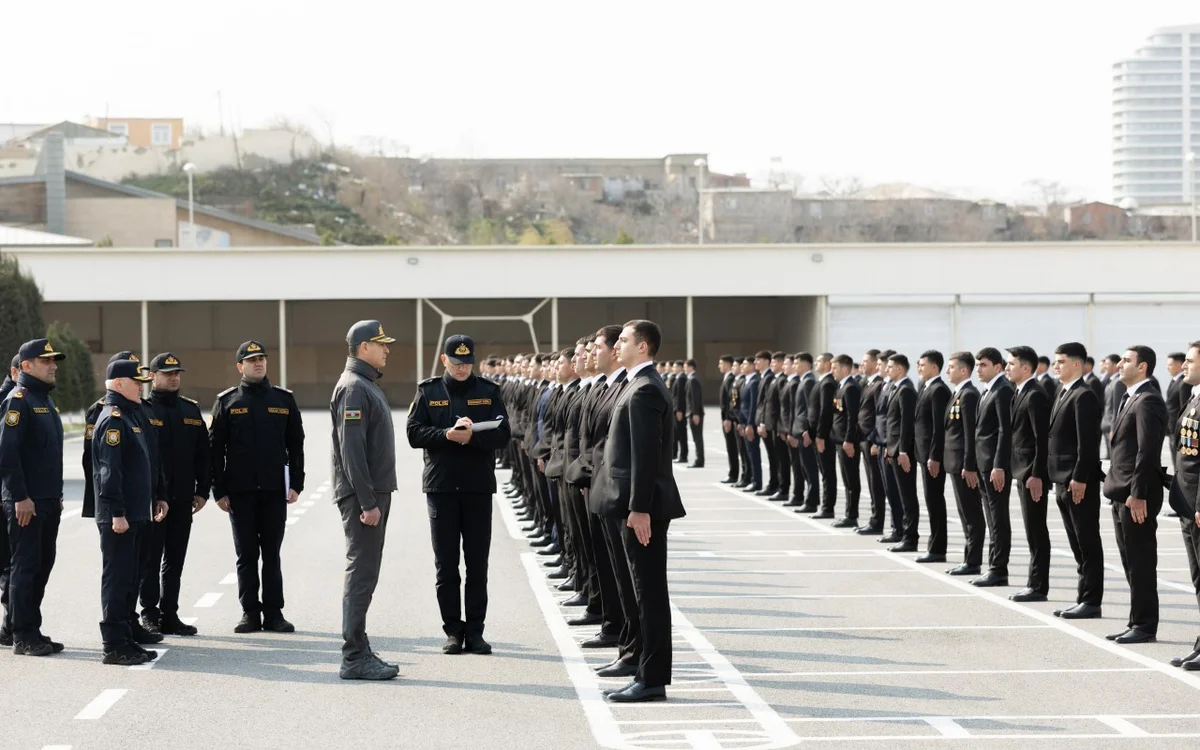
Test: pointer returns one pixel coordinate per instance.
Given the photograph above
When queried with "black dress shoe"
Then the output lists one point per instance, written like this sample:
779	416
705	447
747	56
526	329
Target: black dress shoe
248	624
476	645
846	523
1115	636
544	541
680	461
277	624
1192	665
989	579
795	502
1134	636
621	689
1080	612
768	492
752	489
639	693
579	600
892	538
931	558
778	497
1179	661
559	575
453	645
601	640
173	626
740	484
728	480
620	669
963	570
587	618
696	466
567	585
1028	595
823	514
554	562
904	547
553	549
868	530
55	646
806	509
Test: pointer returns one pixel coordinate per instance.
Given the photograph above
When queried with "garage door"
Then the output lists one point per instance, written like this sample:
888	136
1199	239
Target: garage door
909	329
1167	326
1021	322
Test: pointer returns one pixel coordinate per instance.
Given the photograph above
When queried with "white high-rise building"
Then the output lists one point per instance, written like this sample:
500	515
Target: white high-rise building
1156	118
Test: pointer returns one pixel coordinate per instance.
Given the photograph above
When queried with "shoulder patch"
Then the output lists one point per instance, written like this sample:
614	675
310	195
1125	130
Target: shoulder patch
281	388
351	414
91	430
12	418
114	412
427	381
190	400
226	392
112	437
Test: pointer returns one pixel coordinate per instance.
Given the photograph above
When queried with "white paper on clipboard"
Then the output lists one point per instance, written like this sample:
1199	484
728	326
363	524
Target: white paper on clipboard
485	426
287	482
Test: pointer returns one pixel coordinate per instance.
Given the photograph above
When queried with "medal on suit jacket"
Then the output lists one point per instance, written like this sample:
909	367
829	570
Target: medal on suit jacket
956	409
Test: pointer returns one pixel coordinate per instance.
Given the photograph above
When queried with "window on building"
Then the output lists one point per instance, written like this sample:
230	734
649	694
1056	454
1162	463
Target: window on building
119	128
164	243
814	210
989	212
1087	217
160	134
731	203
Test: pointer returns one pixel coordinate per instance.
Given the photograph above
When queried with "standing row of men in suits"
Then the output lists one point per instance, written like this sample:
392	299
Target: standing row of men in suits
815	419
687	404
594	435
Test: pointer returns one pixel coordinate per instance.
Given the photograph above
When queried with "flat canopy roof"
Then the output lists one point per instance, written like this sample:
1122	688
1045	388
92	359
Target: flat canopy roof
596	271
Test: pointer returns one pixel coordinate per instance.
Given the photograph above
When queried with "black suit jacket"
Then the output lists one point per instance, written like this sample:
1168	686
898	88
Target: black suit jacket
993	429
728	386
695	399
962	412
820	407
1114	389
1049	386
636	472
765	389
1136	467
931	421
679	392
846	405
1030	434
1075	436
902	419
801	400
787	405
1096	384
868	409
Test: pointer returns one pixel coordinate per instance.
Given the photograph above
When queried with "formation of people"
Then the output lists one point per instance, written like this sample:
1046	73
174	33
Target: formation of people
1034	424
595	432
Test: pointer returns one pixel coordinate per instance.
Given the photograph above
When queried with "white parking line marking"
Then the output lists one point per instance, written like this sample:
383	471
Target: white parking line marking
150	664
820	596
291	521
308	503
70	514
882	628
940	672
229	580
948	727
300	511
208	599
100	704
189	620
1124	727
784	571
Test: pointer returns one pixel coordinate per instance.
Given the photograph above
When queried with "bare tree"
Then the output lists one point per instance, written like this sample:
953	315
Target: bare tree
840	186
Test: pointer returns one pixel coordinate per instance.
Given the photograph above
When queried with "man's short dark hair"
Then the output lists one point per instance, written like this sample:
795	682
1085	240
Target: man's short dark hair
690	363
873	353
1173	356
991	354
789	358
900	361
844	360
805	357
647	332
568	353
677	363
1027	355
1114	359
886	354
826	356
1072	350
1042	360
778	356
610	334
934	356
1089	361
1194	345
966	359
1146	355
764	354
727	359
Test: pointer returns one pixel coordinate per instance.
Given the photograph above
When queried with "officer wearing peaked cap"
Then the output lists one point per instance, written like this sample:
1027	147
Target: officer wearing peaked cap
31	488
10	382
459	481
257	449
364	478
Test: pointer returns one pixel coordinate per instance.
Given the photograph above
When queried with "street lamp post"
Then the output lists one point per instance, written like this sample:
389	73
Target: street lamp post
1191	181
189	168
700	165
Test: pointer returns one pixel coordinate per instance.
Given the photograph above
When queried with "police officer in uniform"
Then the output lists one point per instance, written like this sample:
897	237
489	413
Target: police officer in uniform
31	484
257	442
182	446
364	478
459	481
10	382
123	481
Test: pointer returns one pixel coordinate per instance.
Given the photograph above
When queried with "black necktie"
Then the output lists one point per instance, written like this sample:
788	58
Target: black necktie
1124	401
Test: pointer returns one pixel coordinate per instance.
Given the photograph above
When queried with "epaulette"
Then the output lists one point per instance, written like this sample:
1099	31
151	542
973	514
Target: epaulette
190	400
427	381
226	392
18	392
280	388
115	412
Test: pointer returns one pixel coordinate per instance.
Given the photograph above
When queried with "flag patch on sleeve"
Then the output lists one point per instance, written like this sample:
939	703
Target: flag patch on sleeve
352	414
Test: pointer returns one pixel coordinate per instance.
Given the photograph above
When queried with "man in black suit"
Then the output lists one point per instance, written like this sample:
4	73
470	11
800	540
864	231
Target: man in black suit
846	437
1074	465
1185	488
868	415
1114	389
1044	379
638	499
901	450
768	417
1092	380
931	443
878	440
695	411
1178	393
748	418
820	419
993	451
1134	485
742	370
679	400
1030	458
961	465
802	433
789	458
728	377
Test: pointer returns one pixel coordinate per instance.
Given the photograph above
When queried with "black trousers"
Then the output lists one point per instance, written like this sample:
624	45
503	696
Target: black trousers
875	486
606	576
461	518
970	513
851	479
1191	543
119	583
166	549
589	583
572	555
812	475
258	520
732	451
829	481
892	489
995	512
783	455
1138	545
1083	532
746	476
797	472
681	444
629	642
1037	535
648	571
364	557
906	488
6	562
755	457
697	431
769	446
33	549
935	506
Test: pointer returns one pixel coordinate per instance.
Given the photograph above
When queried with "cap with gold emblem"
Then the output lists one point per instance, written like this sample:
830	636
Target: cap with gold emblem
125	368
251	349
367	330
39	349
460	349
166	362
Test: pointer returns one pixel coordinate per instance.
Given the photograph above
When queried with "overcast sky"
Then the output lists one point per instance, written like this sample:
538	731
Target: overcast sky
966	95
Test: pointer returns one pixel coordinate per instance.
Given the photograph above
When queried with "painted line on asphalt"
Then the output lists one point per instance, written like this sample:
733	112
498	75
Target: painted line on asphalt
300	511
208	599
788	571
1028	717
189	620
291	521
1123	727
1012	736
778	509
510	518
71	514
875	628
308	503
100	704
150	664
947	726
229	580
821	596
941	672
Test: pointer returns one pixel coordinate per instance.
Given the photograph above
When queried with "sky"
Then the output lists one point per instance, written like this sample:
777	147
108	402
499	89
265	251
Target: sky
970	96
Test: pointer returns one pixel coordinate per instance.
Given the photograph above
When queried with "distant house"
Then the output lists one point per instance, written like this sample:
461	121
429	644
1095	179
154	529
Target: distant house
144	131
1096	220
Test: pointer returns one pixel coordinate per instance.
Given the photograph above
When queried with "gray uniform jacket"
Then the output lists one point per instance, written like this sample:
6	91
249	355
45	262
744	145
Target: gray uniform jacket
364	438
